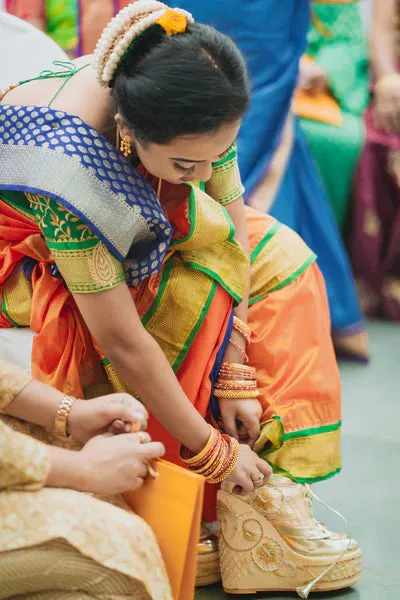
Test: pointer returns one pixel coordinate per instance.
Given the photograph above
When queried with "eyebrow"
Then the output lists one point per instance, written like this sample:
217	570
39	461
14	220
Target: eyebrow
188	160
191	160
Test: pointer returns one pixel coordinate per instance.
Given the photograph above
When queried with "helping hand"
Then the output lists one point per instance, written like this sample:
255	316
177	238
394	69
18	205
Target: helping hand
110	464
115	413
312	78
241	419
251	472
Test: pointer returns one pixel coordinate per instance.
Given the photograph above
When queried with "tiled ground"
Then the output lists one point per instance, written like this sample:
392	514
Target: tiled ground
367	491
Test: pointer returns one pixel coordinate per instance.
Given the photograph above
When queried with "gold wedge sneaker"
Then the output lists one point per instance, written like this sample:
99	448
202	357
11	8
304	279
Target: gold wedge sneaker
208	571
270	541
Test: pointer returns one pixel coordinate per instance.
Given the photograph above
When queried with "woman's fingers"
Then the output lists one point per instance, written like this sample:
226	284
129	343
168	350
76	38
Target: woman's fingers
230	425
264	468
151	451
253	429
126	408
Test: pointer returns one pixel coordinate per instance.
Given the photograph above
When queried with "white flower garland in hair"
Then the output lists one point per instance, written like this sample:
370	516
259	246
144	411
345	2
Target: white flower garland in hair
121	31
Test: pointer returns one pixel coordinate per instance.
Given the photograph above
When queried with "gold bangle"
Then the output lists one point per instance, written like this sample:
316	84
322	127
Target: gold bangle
238	367
236	394
198	457
61	420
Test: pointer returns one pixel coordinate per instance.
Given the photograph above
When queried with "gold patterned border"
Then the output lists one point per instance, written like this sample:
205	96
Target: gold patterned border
281	260
179	310
310	458
90	270
17	299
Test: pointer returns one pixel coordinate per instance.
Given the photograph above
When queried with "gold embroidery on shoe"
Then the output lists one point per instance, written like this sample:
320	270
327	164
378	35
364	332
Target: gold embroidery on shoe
268	556
268	504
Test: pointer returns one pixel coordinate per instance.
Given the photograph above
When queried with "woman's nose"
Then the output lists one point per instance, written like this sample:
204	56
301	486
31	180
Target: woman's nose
204	171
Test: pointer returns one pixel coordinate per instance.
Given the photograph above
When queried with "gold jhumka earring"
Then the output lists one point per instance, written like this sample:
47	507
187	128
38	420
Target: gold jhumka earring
126	145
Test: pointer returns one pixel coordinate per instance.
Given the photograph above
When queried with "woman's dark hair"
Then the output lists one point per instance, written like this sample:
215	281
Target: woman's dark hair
189	83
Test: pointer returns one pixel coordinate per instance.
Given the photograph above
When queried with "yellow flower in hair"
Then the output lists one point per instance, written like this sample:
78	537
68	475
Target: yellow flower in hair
172	22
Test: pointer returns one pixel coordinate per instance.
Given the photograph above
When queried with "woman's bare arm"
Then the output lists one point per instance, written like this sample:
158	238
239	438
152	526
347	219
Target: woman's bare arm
115	324
383	37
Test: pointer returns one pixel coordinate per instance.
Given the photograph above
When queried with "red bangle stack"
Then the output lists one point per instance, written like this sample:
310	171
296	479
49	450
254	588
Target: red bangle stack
218	458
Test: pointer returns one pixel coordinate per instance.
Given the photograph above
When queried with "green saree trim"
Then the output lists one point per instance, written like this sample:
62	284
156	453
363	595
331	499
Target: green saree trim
163	284
5	311
261	245
287	281
195	329
313	431
216	278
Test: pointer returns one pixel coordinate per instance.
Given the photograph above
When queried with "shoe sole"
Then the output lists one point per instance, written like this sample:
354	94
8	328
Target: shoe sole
208	571
319	587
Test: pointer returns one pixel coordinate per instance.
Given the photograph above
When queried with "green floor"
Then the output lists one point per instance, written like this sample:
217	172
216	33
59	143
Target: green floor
367	491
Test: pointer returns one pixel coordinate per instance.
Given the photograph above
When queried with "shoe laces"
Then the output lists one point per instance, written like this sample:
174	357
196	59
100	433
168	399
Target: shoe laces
309	503
303	591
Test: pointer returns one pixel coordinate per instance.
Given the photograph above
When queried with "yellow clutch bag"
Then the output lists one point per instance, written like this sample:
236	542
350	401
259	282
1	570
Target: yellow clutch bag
172	505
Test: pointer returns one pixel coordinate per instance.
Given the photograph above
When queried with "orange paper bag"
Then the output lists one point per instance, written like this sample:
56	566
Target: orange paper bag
172	505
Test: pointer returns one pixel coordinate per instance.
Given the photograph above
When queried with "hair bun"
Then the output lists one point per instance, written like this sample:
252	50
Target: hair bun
126	26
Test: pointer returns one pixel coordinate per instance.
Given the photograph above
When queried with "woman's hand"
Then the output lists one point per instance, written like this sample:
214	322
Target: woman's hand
387	106
312	77
107	464
251	472
115	413
241	419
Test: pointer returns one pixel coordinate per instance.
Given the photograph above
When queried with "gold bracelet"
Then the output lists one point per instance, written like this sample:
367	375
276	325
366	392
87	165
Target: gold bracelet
61	420
198	457
236	394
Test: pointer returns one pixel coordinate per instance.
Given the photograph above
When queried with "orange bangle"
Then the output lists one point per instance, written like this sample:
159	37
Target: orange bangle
231	466
239	349
242	328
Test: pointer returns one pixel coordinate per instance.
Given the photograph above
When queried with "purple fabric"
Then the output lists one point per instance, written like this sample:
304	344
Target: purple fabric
375	247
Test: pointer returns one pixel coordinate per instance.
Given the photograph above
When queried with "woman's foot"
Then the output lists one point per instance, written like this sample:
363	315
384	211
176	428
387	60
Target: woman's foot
270	541
352	346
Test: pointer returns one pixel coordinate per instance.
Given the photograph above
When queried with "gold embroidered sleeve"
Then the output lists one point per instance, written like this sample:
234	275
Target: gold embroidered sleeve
85	263
225	185
12	382
24	462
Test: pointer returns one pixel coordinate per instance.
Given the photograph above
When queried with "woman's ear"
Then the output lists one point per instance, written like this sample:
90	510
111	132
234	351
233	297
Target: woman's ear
121	126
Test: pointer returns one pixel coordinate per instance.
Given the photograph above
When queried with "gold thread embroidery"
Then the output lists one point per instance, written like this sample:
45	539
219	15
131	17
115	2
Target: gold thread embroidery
295	452
17	297
58	223
101	266
90	270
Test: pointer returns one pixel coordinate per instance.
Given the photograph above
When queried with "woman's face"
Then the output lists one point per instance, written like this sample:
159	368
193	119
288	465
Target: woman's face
186	158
